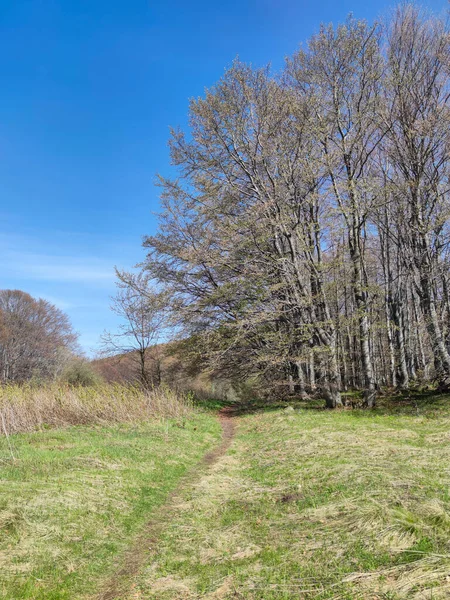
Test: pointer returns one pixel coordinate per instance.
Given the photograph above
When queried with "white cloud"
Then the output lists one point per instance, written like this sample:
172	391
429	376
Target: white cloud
58	302
73	272
45	267
28	257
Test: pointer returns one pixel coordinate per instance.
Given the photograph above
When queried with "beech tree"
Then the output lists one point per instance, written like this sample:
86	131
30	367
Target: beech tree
418	88
35	337
343	68
304	243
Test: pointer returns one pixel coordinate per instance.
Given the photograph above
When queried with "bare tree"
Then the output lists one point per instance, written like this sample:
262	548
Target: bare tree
342	72
34	337
418	90
143	311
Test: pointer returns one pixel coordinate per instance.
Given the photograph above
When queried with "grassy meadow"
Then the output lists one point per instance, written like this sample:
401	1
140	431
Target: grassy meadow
305	503
82	479
316	504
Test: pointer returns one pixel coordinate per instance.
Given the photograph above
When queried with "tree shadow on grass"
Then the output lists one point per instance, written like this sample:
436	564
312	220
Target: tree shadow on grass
236	408
253	406
427	403
212	404
422	403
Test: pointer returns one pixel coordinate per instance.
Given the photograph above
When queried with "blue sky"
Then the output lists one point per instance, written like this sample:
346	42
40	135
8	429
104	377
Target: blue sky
89	89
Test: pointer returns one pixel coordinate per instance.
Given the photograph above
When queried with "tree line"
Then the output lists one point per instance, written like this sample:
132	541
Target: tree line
304	243
36	338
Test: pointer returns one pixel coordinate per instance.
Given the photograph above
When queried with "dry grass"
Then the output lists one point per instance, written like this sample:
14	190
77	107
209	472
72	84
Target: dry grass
311	504
27	408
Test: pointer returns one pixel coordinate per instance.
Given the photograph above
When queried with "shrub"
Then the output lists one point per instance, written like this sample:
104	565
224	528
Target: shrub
80	373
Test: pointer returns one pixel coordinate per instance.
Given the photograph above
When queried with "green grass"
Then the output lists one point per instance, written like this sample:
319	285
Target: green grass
72	500
316	504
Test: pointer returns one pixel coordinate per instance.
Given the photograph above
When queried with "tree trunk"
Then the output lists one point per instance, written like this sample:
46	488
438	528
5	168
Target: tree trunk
442	357
397	308
301	387
363	320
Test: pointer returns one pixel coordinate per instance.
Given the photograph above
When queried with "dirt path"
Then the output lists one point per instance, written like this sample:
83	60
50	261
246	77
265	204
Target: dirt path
146	542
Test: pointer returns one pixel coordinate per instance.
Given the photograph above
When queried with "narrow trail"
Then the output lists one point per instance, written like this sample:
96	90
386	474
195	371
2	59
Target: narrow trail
145	544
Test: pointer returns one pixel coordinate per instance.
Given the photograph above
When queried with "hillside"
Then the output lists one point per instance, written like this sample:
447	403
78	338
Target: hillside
166	368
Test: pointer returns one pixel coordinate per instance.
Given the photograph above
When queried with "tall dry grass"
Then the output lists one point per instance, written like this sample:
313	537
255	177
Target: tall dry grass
27	408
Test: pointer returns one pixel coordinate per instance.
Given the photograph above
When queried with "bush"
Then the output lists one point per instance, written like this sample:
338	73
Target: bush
81	373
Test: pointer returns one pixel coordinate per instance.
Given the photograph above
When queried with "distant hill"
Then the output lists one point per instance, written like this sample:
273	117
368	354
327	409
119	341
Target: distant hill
165	368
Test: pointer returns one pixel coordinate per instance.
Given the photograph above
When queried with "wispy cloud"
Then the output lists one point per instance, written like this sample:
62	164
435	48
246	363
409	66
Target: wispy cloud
57	268
17	260
58	302
72	271
72	258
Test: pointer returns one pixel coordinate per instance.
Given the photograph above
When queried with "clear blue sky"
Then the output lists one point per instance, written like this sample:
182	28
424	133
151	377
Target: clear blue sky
89	89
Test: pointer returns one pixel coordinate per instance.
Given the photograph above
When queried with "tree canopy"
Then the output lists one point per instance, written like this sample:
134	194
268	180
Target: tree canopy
304	243
36	338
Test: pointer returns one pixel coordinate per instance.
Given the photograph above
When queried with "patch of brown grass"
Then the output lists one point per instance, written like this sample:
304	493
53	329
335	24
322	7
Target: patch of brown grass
27	408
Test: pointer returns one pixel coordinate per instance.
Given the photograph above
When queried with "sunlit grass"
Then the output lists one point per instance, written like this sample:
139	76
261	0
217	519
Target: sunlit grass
72	499
316	504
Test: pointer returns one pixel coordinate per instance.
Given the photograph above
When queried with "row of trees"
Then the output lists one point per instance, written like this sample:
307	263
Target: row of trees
305	242
36	338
